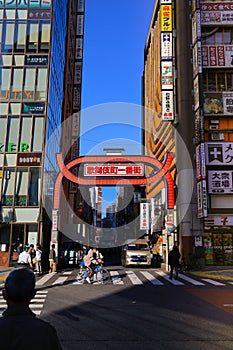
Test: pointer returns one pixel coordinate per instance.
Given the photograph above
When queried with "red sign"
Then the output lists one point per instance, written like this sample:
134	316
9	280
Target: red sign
113	170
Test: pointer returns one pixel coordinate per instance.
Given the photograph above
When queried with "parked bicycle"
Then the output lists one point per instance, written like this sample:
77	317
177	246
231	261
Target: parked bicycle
193	264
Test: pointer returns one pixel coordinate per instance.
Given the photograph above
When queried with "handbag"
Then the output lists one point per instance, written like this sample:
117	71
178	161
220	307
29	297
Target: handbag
34	260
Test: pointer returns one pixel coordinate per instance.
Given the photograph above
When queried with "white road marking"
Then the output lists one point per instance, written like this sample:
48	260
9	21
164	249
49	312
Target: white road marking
60	280
173	281
215	283
191	280
133	278
228	305
45	279
115	276
151	278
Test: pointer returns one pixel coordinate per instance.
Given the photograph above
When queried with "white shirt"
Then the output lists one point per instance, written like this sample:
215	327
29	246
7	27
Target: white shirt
38	254
24	258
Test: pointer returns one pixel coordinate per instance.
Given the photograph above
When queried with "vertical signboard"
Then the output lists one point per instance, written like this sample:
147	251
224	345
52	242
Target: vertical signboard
144	216
166	58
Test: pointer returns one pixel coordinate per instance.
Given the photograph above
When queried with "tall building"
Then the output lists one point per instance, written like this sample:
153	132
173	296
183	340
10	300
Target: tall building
168	122
188	92
37	94
212	46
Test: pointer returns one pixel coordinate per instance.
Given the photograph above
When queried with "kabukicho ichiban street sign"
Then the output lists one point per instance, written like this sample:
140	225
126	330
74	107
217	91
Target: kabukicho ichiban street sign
109	170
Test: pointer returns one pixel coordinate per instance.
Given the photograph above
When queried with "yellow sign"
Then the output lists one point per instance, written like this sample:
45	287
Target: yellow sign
166	18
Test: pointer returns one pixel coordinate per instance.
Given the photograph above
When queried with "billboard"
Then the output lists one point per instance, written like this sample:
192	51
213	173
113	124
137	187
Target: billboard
166	46
217	56
219	153
167	75
144	216
216	13
114	169
220	182
167	105
166	18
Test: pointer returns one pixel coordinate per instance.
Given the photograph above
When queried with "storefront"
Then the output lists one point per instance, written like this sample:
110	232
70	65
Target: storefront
218	246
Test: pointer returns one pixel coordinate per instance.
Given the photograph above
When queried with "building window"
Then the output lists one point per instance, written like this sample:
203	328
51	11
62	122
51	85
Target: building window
41	86
8	36
45	29
12	134
29	83
21	33
21	187
33	34
8	187
17	82
25	130
38	134
34	187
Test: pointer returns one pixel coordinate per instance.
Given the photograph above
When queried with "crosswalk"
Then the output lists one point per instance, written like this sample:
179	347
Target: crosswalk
128	277
36	304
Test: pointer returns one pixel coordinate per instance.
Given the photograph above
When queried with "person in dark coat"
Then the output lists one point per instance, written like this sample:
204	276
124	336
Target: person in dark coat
174	261
19	323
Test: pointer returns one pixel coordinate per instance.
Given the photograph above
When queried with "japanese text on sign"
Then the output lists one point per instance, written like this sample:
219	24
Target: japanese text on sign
114	170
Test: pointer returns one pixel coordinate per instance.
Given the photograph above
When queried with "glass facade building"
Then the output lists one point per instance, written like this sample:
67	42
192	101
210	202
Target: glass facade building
33	50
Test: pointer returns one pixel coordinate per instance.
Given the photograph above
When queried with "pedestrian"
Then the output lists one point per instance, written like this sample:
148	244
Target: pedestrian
38	258
174	261
32	253
19	249
81	254
24	259
52	259
19	323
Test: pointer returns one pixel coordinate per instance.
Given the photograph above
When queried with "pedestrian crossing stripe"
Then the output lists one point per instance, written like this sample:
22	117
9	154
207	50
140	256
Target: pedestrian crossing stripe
36	304
136	277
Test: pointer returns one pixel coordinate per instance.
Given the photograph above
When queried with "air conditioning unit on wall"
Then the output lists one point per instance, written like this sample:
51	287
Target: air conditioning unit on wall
217	136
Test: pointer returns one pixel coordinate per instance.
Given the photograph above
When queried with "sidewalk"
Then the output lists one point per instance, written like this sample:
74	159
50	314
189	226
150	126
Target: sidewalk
218	272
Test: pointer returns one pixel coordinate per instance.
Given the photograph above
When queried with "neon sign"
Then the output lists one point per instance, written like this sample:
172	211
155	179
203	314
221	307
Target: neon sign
103	180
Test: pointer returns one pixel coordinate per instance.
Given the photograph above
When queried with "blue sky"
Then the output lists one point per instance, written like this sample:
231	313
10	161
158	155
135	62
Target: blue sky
114	39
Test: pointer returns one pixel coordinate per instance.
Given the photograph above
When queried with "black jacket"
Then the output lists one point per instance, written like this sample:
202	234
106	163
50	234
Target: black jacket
20	328
174	257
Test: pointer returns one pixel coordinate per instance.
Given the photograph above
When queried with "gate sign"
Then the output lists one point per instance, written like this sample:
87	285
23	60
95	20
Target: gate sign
104	170
114	169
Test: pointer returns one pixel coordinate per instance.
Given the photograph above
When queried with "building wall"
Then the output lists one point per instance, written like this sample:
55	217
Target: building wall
31	78
212	52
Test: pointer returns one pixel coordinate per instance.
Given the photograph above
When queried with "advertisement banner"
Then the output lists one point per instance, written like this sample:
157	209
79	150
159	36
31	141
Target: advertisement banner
201	199
216	13
167	75
144	216
220	182
227	102
219	153
166	46
219	220
77	73
79	48
196	26
80	22
77	98
196	93
200	162
167	105
217	56
36	60
33	108
197	59
166	18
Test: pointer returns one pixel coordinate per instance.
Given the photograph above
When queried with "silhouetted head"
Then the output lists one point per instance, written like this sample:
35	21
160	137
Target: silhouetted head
20	286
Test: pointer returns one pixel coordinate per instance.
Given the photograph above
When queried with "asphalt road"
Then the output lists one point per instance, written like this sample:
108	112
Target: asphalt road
138	316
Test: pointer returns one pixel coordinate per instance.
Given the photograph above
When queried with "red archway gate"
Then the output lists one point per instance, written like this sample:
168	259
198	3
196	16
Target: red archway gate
95	175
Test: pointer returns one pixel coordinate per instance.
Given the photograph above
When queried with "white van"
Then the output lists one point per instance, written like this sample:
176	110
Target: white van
136	252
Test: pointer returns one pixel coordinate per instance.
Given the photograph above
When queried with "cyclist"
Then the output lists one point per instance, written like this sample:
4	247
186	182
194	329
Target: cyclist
96	263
